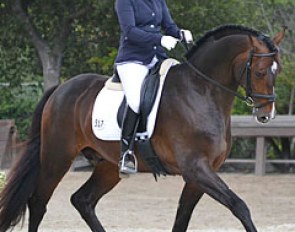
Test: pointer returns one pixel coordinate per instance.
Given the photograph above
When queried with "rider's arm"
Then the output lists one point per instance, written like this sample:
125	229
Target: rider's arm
168	25
129	29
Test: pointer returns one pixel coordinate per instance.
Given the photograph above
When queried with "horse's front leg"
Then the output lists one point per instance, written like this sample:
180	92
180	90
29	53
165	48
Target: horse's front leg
198	171
189	198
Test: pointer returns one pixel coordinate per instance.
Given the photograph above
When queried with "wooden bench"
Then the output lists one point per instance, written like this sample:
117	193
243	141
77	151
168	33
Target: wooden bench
246	126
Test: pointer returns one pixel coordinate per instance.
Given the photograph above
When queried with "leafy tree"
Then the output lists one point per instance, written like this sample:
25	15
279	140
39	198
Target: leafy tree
93	44
18	64
48	30
49	33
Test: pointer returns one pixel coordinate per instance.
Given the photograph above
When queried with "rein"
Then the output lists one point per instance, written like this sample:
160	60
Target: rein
249	98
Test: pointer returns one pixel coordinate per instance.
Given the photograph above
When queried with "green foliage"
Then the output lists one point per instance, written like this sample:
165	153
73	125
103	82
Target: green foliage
284	85
106	62
18	66
19	103
243	148
2	180
93	43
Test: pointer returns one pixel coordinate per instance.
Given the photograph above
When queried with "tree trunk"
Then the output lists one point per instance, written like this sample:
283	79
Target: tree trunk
51	69
51	58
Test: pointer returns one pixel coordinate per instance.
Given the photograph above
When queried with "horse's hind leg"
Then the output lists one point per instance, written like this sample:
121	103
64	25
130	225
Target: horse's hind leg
200	173
103	179
189	198
54	164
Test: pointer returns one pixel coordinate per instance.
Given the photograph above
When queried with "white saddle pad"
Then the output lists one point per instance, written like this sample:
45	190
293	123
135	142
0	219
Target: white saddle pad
105	109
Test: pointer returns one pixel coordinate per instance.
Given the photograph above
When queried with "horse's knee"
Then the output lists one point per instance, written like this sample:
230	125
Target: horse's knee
76	201
85	208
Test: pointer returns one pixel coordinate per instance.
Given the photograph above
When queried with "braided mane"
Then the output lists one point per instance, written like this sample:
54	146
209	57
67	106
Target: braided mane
230	29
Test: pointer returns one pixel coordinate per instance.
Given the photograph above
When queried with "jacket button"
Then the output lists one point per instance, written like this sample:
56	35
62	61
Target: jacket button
152	26
153	14
155	47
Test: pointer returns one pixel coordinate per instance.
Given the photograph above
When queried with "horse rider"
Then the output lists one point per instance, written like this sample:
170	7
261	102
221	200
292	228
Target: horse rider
141	47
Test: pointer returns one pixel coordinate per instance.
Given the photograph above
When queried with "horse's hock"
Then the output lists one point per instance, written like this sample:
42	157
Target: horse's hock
7	143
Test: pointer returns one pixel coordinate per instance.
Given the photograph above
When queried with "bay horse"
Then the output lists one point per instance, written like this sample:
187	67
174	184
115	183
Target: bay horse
192	136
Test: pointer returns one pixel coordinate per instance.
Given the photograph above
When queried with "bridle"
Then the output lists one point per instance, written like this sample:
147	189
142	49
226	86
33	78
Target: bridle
249	92
249	97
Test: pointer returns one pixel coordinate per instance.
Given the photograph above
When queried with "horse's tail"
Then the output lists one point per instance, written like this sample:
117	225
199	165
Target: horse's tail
22	179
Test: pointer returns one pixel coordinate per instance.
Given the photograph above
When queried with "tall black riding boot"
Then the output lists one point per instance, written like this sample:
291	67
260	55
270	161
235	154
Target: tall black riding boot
128	163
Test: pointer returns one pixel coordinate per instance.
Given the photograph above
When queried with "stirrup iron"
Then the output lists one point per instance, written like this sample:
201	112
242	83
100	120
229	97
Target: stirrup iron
125	169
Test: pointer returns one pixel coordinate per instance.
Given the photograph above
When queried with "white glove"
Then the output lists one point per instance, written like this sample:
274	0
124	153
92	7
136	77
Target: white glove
187	36
168	42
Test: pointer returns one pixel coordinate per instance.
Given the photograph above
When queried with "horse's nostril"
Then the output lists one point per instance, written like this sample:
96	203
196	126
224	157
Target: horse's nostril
263	119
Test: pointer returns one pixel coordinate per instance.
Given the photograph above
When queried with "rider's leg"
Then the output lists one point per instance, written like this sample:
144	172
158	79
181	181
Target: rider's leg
127	158
132	76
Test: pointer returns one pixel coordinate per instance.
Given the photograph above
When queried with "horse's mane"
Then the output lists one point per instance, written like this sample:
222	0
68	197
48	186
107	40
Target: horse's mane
226	30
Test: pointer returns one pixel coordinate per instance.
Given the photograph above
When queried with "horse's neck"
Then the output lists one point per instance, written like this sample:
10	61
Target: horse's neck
199	87
216	62
190	93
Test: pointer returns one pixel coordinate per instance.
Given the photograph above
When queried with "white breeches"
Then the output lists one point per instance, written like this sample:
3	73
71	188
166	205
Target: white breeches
132	76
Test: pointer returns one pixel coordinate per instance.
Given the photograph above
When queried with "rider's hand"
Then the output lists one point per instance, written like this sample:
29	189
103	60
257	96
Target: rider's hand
187	36
168	42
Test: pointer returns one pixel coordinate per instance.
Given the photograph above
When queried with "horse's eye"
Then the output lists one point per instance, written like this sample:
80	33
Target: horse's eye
259	74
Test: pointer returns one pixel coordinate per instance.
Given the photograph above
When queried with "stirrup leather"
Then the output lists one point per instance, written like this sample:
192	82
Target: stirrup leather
125	169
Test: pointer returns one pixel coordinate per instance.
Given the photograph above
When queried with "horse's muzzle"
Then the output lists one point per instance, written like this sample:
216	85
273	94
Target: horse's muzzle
262	116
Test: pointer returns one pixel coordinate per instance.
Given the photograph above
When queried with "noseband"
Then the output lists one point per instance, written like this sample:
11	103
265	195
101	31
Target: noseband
249	98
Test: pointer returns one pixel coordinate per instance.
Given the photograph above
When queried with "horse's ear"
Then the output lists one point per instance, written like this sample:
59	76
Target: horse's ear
280	36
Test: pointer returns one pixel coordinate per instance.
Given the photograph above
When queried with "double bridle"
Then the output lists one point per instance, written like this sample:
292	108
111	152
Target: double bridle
249	97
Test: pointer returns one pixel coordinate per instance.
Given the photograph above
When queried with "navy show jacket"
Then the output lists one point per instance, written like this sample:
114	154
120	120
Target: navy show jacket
141	22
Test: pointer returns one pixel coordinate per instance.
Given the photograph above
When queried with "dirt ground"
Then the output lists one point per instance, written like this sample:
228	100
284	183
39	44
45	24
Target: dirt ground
139	204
